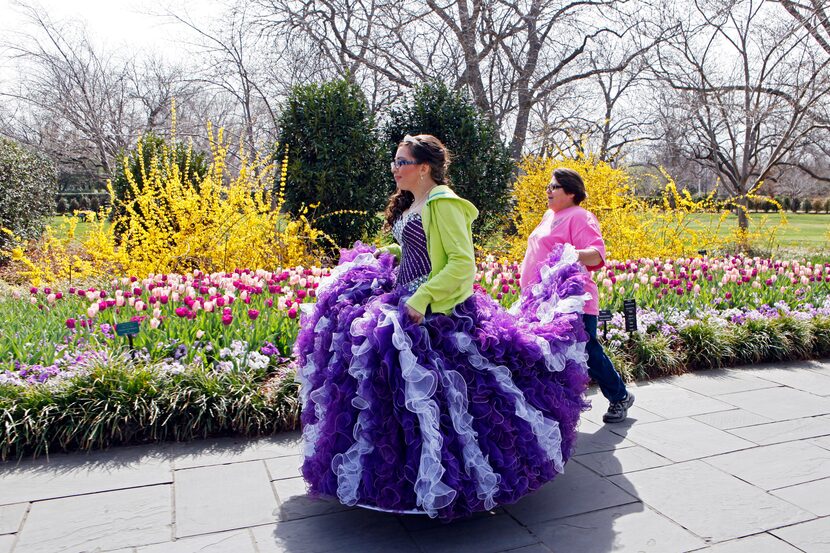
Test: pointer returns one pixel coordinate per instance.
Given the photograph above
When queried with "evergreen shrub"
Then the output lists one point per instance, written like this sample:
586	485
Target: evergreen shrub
481	169
795	204
337	166
28	186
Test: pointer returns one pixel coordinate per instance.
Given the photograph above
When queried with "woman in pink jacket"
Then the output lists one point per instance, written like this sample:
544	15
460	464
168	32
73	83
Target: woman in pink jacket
567	223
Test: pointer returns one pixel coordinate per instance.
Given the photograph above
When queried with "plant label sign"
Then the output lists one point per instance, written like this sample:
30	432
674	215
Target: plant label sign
630	314
126	329
604	317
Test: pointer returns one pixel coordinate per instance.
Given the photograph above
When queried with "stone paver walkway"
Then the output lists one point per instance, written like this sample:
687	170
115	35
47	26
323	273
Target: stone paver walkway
722	461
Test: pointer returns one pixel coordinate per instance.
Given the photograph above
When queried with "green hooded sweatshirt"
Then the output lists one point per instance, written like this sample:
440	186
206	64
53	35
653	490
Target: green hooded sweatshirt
447	221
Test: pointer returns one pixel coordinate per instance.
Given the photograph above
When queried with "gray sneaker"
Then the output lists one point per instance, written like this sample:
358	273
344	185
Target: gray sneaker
618	410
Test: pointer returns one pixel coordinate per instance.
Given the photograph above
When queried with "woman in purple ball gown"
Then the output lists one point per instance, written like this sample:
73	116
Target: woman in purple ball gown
421	394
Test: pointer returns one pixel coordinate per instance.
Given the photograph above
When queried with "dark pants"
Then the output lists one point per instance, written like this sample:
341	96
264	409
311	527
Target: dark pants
600	367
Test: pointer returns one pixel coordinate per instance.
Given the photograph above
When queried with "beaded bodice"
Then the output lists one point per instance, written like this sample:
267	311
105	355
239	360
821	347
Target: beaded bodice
415	265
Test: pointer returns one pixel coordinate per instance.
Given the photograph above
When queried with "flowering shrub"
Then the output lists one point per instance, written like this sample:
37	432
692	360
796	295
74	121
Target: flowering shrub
631	228
178	224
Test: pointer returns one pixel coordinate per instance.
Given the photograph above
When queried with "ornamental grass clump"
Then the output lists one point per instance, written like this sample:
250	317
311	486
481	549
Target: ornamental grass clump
655	355
821	337
705	346
120	402
797	336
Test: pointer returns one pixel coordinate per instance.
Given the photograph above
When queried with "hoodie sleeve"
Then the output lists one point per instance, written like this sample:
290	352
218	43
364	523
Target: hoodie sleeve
394	249
457	240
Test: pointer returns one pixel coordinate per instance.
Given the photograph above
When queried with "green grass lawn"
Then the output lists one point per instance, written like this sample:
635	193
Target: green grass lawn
802	230
81	230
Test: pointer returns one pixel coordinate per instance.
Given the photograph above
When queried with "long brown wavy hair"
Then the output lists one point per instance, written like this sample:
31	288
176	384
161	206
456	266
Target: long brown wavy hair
425	148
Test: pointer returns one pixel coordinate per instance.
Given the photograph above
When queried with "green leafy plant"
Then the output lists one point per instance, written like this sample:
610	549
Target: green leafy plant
481	170
28	186
119	403
337	166
655	355
705	346
821	336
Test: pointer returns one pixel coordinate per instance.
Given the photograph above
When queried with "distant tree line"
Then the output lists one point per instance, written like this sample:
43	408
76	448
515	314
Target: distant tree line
734	91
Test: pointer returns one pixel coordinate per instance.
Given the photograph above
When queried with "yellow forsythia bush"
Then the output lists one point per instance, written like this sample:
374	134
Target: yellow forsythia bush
631	228
219	223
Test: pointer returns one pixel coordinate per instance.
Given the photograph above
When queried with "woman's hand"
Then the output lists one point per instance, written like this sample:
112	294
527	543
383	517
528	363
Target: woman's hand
414	315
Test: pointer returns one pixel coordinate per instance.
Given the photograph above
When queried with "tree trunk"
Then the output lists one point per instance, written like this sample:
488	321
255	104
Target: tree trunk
743	217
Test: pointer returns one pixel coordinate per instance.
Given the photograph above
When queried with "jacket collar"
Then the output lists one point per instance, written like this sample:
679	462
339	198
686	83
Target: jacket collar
441	191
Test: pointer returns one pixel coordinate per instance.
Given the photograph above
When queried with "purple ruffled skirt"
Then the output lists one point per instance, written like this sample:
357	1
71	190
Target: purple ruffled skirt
458	414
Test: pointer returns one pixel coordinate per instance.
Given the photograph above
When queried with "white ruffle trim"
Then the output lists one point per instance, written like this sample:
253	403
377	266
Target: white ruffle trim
340	270
475	463
555	362
311	432
431	494
319	397
548	310
546	430
348	466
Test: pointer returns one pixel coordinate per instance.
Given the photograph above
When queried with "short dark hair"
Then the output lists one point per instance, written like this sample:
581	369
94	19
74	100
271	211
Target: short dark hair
571	182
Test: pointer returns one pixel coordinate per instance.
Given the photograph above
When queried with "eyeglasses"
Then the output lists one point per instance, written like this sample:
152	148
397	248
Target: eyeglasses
398	163
553	187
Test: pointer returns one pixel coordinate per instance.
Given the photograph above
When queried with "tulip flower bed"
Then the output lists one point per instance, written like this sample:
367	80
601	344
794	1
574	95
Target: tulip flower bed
700	313
212	355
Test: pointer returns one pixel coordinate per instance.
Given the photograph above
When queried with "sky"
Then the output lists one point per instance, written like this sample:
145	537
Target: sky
112	23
